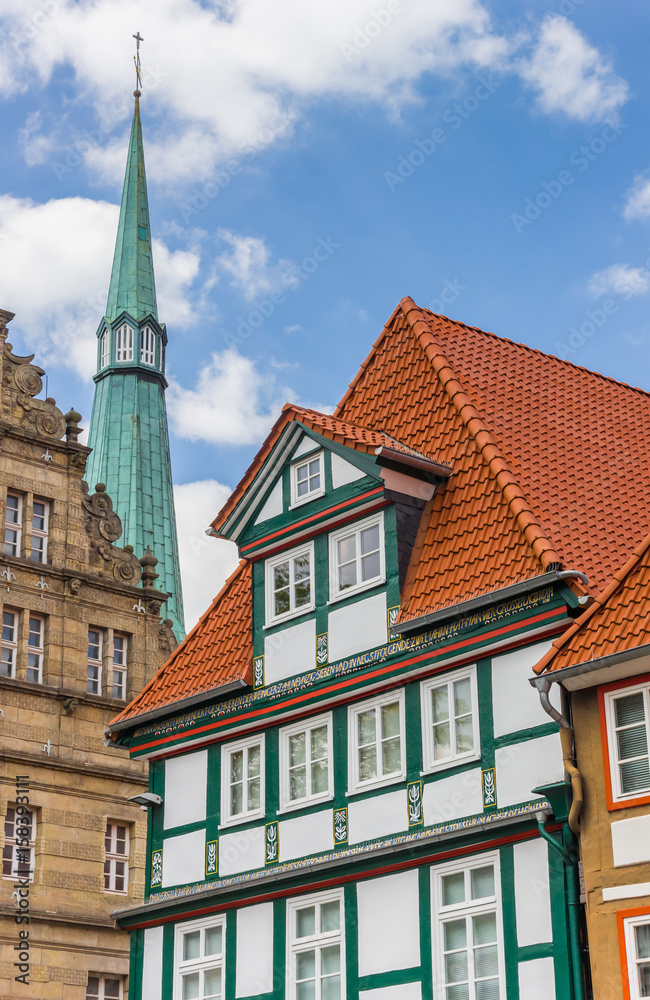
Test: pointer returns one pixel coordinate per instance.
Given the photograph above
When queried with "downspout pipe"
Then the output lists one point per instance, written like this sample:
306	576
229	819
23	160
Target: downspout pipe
543	685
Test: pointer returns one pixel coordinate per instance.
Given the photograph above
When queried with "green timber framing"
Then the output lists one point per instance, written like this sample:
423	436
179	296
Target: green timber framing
501	627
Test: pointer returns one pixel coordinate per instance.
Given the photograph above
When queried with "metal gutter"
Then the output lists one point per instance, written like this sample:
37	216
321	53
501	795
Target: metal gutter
611	660
173	707
485	600
422	464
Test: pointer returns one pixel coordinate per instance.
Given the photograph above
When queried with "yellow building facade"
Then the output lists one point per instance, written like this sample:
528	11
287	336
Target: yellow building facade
83	629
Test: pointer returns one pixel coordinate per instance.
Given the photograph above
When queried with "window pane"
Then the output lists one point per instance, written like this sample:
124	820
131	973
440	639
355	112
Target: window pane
331	988
297	749
367	763
319	742
366	727
298	783
347	549
488	990
485	928
237	765
191	986
482	881
212	984
330	960
635	776
92	990
458	993
630	709
453	890
213	944
306	965
456	967
306	922
440	704
442	741
8	626
391	760
464	735
319	777
282	603
644	980
281	576
642	935
191	945
462	697
111	989
369	540
330	916
254	794
314	468
254	759
455	935
370	567
347	576
486	962
301	567
303	593
306	991
390	720
632	742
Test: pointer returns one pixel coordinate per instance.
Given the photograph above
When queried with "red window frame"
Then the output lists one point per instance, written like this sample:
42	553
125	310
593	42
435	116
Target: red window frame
641	800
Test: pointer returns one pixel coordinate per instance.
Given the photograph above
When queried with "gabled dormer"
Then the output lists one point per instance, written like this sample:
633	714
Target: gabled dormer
328	514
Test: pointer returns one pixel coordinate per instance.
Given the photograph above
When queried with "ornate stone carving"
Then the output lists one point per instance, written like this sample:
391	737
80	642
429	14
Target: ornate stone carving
126	568
50	424
148	563
28	379
72	428
103	517
74	586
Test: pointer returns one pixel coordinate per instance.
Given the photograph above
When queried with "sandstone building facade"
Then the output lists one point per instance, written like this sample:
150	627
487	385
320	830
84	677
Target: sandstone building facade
83	629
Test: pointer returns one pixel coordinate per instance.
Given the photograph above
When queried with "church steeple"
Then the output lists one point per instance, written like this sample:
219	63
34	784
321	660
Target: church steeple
132	287
128	426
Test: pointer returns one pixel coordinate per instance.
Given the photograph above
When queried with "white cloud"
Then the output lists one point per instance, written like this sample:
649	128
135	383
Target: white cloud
570	75
221	83
55	261
637	203
248	265
205	562
231	403
621	279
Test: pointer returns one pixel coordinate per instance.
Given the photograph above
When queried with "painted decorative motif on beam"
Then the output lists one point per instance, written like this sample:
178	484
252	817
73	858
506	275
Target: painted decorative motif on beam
156	868
211	859
489	788
414	801
344	667
341	826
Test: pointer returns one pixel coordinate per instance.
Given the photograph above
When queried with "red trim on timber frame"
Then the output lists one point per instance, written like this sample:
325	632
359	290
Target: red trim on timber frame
307	520
399	866
620	685
345	683
621	917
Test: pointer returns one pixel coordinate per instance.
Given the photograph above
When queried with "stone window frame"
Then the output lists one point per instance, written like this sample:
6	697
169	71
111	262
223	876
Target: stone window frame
14	526
113	857
41	533
11	644
102	979
12	841
35	653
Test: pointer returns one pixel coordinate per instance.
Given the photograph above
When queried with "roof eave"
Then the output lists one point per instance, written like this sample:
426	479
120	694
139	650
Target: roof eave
540	681
173	707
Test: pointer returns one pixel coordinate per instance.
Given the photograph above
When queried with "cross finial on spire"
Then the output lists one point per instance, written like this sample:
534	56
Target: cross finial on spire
136	60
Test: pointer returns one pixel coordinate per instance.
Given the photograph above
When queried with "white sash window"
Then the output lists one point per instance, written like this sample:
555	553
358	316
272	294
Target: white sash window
124	343
147	346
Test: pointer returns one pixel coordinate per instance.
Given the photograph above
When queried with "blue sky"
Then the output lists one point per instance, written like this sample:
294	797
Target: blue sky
489	159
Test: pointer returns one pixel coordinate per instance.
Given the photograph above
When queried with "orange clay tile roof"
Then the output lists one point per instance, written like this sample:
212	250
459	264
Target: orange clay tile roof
217	651
619	618
349	434
551	469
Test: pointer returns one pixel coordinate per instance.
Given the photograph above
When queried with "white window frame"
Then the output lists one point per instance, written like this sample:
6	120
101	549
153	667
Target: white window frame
629	927
316	941
112	857
11	644
124	343
199	964
105	349
12	842
440	914
288	555
355	529
92	662
355	785
428	757
298	501
612	743
102	977
227	819
305	726
120	668
36	651
148	347
16	526
40	532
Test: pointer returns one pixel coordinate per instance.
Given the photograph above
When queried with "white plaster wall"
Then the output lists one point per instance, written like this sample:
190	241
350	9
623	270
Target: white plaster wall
241	851
515	703
289	652
377	817
152	965
523	766
532	895
447	799
184	859
343	472
273	505
410	991
254	950
357	627
631	841
305	835
306	444
186	789
537	979
388	923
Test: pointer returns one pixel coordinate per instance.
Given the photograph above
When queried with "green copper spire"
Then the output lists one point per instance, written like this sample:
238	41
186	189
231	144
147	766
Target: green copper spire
128	427
132	287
